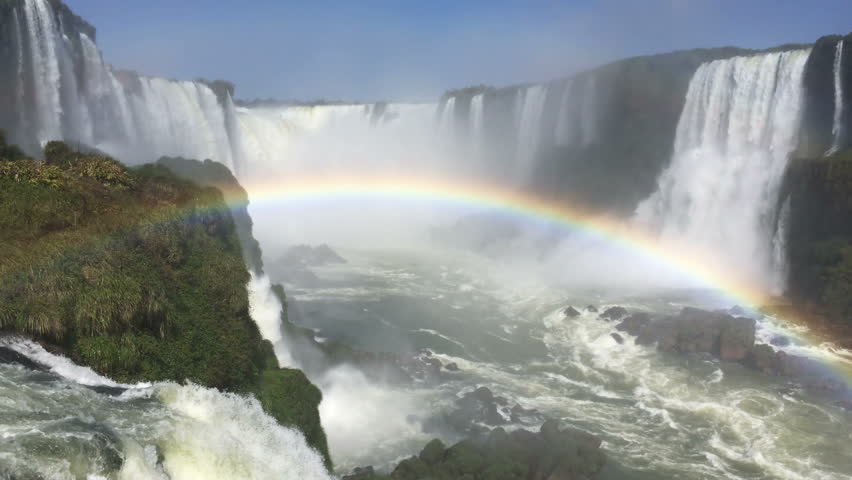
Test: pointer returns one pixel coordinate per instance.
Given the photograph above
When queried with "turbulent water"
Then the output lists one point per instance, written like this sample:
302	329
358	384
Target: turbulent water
66	422
661	416
734	138
666	416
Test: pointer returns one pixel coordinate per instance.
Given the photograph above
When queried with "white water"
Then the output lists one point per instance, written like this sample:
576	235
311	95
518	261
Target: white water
265	310
720	193
161	431
837	124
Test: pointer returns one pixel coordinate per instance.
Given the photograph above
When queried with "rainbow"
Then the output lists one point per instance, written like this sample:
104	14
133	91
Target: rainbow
611	230
518	203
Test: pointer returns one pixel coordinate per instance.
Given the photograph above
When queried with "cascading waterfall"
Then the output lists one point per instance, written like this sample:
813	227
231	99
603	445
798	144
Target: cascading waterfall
735	134
46	74
577	120
529	128
447	119
837	124
77	97
476	125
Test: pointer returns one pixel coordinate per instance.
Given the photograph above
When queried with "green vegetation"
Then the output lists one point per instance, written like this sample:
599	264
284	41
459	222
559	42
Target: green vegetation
291	398
138	274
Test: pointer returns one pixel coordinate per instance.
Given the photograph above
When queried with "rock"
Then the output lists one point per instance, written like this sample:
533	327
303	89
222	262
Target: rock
570	312
698	331
8	355
452	367
550	453
762	358
614	313
520	414
618	339
308	256
433	452
633	323
737	311
591	308
360	473
736	339
549	429
483	394
779	341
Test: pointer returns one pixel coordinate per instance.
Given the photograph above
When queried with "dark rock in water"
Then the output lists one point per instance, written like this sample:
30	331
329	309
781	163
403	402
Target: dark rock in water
551	453
474	409
618	338
308	256
695	331
7	355
360	473
762	358
614	313
780	341
592	308
483	394
736	339
520	414
107	390
452	367
571	312
737	311
633	323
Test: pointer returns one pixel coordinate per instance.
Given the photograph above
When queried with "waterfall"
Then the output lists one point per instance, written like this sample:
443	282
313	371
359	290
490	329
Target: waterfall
447	119
476	116
837	124
65	91
46	74
736	132
577	120
529	128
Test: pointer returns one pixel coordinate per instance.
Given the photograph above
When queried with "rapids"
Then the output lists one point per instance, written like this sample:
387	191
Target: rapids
661	415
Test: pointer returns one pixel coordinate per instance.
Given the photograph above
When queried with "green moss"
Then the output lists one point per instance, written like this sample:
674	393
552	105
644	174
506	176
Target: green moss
291	398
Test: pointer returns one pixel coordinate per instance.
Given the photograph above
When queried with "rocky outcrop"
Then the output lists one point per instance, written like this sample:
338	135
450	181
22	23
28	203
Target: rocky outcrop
477	411
614	313
552	453
816	136
694	331
308	256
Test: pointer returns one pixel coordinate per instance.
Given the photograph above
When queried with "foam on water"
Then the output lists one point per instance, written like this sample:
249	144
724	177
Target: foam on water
160	431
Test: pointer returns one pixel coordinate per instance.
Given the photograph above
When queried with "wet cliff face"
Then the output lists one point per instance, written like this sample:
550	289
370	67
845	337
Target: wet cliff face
820	235
825	74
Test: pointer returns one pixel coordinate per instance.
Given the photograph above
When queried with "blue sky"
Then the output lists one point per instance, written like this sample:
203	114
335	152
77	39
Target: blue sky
395	49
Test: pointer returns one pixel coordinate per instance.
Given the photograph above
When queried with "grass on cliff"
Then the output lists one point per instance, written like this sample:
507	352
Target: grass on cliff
140	275
134	272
